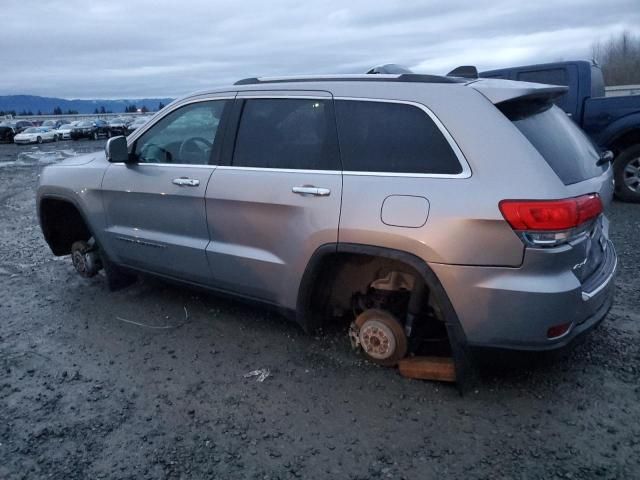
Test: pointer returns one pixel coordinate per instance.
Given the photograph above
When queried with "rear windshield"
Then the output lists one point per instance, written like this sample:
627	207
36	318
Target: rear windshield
567	150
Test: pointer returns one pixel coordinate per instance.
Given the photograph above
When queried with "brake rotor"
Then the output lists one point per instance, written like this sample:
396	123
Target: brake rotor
84	260
381	337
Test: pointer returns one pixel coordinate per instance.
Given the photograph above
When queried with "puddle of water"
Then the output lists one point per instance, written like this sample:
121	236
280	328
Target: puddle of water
38	157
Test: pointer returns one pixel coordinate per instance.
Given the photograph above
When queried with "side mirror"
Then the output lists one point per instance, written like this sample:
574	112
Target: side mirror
116	150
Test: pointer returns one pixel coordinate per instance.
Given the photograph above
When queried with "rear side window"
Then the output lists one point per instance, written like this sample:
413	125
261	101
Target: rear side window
567	150
287	133
392	137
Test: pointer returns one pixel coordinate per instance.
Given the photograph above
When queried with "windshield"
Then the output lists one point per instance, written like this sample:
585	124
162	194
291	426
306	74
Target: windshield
567	150
31	130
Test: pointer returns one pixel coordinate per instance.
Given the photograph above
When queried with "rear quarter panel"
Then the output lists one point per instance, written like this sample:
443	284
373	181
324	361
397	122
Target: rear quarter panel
464	225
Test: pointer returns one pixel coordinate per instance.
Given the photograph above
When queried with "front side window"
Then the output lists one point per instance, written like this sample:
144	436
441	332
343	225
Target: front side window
393	138
185	136
286	133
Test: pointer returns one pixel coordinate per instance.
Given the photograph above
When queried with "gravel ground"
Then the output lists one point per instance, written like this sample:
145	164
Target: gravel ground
85	393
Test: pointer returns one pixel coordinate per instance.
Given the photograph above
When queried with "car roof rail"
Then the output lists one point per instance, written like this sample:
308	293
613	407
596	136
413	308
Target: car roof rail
464	71
402	77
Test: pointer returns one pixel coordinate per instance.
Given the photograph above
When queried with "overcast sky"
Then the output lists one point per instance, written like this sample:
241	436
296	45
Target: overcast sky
153	48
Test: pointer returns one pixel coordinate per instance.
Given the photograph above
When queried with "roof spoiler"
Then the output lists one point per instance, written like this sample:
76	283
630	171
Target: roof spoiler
499	91
464	71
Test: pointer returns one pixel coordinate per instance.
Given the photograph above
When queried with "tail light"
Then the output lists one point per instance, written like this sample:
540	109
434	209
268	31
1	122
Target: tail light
548	223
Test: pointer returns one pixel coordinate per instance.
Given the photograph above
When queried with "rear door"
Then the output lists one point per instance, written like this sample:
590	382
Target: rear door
278	198
155	206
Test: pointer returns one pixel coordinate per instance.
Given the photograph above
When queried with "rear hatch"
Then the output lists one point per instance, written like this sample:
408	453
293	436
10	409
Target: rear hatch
575	220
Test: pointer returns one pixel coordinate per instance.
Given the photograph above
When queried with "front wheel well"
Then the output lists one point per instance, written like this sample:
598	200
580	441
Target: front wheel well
62	224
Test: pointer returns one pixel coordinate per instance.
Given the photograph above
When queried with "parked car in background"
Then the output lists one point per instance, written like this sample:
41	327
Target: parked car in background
64	130
90	129
257	190
7	132
137	123
613	123
36	135
53	124
101	129
83	129
118	126
21	125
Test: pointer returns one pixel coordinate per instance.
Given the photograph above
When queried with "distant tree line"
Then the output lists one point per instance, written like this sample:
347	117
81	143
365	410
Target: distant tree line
102	110
134	109
619	58
97	111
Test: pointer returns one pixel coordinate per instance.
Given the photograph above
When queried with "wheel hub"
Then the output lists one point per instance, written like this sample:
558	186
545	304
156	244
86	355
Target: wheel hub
377	340
632	175
79	262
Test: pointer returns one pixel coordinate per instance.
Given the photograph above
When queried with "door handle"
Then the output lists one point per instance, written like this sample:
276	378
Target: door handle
186	182
311	190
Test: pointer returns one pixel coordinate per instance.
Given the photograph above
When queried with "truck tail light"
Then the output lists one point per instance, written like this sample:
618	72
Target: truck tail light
548	223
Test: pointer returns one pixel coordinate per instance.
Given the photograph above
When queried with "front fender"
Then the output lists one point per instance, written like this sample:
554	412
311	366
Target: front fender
81	186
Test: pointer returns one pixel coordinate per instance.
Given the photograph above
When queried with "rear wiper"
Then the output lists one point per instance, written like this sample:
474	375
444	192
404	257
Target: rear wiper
605	157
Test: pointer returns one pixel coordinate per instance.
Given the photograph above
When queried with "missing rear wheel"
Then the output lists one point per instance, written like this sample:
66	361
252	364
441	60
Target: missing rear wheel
381	337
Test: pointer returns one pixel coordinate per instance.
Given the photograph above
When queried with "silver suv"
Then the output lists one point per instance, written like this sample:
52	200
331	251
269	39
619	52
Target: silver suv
418	207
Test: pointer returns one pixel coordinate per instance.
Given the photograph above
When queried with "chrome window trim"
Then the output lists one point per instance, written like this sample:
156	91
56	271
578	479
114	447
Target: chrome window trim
184	165
140	131
287	95
466	168
284	170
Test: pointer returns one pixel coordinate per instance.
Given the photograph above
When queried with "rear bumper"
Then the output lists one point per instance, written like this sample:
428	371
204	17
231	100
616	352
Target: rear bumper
513	308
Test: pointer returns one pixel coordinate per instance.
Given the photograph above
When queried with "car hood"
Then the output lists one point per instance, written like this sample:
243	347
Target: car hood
80	159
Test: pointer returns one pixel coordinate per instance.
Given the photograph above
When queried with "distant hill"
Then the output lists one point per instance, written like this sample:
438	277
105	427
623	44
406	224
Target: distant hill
47	105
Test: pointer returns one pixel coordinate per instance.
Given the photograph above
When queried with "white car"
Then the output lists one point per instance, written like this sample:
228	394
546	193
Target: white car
36	135
64	131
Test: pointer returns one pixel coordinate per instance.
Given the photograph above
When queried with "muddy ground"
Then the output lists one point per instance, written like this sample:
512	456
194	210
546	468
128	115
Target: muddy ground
86	393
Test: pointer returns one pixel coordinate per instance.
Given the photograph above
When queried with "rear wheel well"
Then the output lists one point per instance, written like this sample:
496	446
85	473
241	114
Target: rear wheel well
626	140
328	289
62	224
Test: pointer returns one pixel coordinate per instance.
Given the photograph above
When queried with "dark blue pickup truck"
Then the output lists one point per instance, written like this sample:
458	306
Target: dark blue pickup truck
613	123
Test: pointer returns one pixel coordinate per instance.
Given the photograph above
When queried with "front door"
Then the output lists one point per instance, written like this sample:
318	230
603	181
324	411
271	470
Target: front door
155	208
279	197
